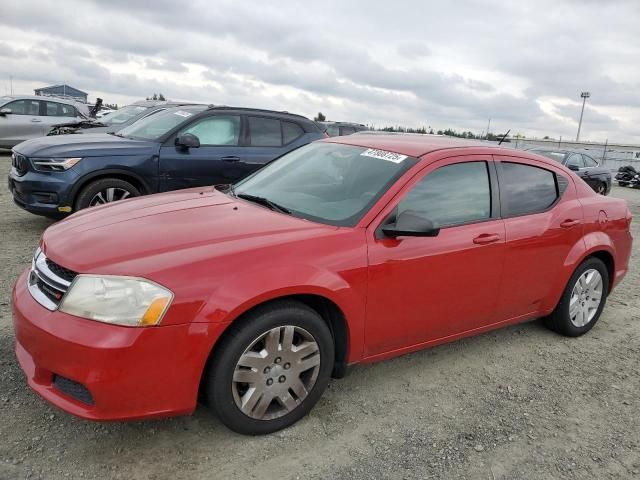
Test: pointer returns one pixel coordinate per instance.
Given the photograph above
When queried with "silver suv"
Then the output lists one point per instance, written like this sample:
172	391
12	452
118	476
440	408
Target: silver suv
28	116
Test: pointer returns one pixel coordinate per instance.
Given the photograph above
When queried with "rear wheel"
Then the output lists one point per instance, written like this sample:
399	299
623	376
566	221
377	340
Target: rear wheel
582	301
105	190
271	368
601	188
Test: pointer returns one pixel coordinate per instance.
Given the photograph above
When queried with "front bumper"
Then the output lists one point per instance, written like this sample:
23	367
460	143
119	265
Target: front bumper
42	193
131	373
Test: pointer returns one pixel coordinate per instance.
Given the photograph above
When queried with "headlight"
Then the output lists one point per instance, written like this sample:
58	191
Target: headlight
54	164
120	300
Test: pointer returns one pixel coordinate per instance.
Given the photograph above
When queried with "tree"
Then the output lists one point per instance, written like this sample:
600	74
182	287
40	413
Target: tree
161	97
155	97
320	117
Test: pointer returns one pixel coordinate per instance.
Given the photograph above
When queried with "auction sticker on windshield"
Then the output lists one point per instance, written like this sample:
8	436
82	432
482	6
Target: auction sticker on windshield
383	155
183	113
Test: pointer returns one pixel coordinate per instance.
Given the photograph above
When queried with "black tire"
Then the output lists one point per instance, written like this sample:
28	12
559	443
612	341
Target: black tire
623	184
84	198
559	321
218	383
601	188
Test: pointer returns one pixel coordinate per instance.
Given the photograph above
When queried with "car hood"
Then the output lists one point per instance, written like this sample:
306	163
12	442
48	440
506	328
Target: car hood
143	235
88	145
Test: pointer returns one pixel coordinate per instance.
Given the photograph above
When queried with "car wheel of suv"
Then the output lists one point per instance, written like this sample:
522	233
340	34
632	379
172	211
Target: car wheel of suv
271	368
601	188
105	190
582	300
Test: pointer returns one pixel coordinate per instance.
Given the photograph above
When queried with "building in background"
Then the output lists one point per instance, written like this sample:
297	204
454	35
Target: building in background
63	91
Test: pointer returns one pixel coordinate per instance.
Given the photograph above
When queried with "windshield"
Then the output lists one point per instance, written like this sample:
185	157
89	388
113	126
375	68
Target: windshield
124	114
155	126
557	156
327	182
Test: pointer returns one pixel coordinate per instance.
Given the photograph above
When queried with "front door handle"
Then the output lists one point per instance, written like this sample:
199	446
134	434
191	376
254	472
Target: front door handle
230	159
569	223
36	120
486	238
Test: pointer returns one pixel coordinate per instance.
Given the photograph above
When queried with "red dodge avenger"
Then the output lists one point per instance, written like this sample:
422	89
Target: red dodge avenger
348	250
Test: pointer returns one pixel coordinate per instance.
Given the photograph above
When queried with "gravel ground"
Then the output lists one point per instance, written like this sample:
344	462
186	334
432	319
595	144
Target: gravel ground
516	403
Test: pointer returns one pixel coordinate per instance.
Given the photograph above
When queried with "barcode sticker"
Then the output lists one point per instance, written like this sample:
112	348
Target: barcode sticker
383	155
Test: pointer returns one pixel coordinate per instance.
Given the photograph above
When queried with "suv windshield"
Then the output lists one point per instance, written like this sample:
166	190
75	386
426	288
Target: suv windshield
124	114
155	126
329	183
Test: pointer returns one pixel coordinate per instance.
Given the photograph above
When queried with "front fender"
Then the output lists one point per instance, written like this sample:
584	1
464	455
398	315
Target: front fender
240	293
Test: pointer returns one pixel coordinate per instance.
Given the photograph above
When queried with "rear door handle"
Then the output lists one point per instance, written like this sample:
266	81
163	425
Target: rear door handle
230	159
570	223
486	238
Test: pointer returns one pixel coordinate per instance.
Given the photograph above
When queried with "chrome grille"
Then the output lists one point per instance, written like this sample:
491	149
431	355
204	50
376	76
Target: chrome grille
48	281
19	163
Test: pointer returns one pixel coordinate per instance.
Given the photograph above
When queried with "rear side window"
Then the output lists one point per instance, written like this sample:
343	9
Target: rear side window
54	109
526	189
24	107
333	131
290	132
452	195
264	132
348	130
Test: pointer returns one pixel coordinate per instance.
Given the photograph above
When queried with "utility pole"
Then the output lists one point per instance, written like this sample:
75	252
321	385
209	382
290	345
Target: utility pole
488	127
11	83
584	96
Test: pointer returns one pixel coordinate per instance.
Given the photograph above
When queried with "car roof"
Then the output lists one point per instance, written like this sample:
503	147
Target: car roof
51	98
342	124
413	145
160	103
309	125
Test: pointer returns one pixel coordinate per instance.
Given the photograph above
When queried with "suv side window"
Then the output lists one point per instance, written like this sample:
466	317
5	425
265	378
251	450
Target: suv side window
24	107
333	131
348	131
216	130
588	161
526	189
290	132
55	109
575	160
264	132
452	195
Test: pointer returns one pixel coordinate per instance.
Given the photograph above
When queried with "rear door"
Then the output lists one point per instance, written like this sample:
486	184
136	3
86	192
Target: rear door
214	162
267	139
543	222
422	289
22	123
56	113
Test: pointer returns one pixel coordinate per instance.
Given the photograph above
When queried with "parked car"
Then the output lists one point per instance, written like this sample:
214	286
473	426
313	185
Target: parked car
176	148
29	116
344	251
104	112
627	176
338	129
587	168
117	120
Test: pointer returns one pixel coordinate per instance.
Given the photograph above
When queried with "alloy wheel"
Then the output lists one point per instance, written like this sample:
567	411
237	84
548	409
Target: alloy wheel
109	195
601	189
586	297
276	372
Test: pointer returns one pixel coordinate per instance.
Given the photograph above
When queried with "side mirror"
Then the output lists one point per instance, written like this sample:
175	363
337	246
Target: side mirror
408	224
573	166
5	111
187	140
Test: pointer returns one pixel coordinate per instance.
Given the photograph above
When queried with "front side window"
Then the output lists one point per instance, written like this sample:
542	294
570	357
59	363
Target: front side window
327	182
24	107
575	161
452	195
264	132
526	189
216	130
588	161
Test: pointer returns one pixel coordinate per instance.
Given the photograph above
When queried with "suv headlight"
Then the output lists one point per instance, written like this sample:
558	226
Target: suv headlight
129	301
54	164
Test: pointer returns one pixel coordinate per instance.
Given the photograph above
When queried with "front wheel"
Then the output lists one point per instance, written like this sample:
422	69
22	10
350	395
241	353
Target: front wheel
582	301
105	190
271	368
601	188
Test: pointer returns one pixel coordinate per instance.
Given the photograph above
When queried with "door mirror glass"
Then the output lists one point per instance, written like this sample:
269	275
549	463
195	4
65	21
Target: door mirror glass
574	167
5	111
408	224
187	140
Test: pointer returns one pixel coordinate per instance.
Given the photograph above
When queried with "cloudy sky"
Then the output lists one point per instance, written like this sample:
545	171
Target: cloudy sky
412	63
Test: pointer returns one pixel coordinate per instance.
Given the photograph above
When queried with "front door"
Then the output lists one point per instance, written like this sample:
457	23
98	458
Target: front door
22	123
217	160
422	289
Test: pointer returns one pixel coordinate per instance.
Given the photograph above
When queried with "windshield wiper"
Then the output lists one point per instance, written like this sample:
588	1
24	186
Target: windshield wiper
262	201
116	134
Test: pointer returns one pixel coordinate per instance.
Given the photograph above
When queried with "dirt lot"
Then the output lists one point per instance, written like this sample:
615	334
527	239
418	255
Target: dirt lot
518	403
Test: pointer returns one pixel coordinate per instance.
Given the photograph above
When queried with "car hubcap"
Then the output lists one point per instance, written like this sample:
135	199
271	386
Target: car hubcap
601	189
585	298
276	373
109	195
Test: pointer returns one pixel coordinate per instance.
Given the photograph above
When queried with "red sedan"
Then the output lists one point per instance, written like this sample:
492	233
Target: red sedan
345	251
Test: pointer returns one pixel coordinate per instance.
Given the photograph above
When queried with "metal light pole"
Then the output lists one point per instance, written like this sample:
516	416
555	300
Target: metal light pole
584	96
